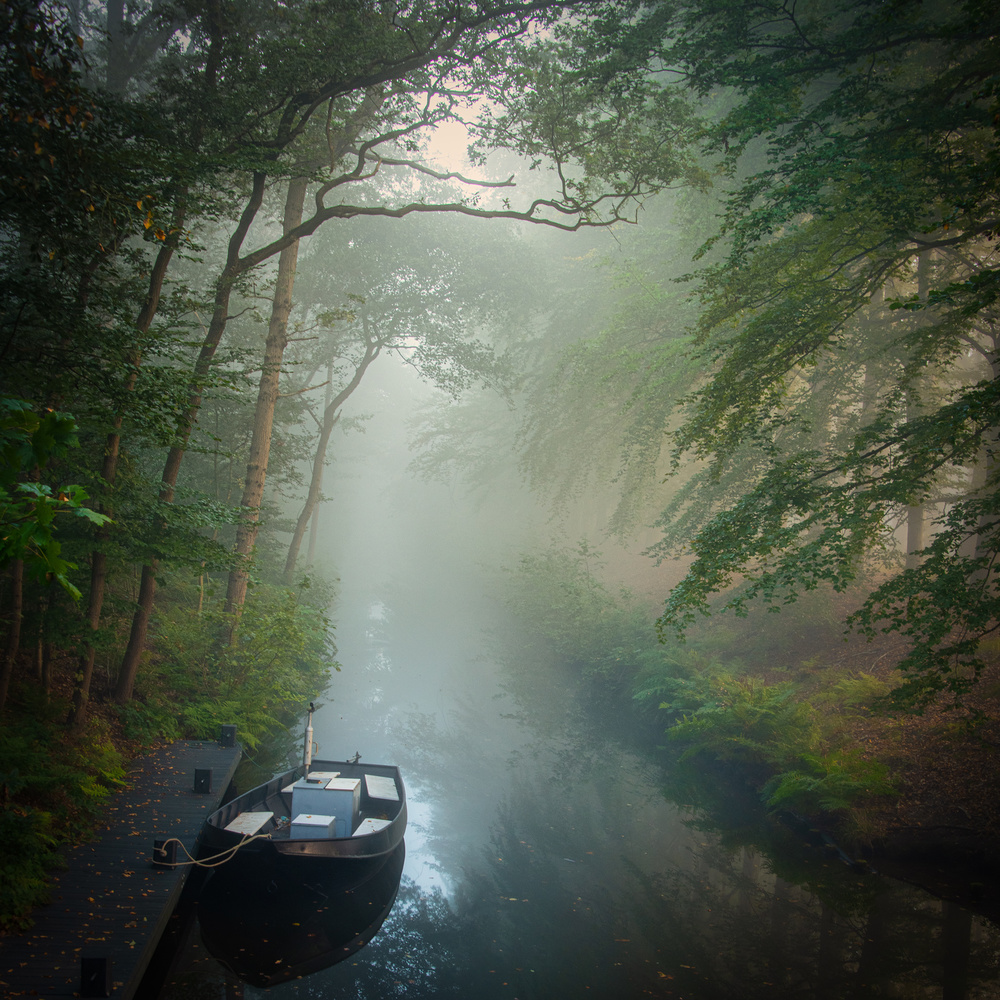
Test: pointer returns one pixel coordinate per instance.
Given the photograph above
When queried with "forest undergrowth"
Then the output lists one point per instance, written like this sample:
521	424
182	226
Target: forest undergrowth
55	779
791	705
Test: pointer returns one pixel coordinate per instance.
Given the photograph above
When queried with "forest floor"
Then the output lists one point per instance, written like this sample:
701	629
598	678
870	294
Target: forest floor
946	766
944	763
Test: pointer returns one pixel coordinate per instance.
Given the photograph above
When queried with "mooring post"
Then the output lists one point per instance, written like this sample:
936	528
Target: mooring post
95	976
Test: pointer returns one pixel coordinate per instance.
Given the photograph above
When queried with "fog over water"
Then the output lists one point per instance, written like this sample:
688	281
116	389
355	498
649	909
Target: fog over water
546	855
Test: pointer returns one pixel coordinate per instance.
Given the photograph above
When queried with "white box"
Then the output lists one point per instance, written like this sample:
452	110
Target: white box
249	823
312	826
311	797
345	796
381	788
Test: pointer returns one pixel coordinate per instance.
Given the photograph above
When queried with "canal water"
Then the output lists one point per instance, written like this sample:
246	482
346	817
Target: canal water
545	856
551	852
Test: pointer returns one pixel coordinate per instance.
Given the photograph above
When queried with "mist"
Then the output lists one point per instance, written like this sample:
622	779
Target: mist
591	409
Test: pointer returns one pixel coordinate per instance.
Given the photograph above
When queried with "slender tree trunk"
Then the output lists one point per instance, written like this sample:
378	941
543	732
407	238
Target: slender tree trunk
314	518
109	472
985	474
915	514
267	398
873	364
235	266
44	646
98	560
14	629
330	416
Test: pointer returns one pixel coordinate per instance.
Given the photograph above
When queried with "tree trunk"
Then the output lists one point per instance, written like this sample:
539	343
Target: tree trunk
147	588
235	266
915	514
985	474
14	629
109	471
267	397
98	563
314	517
137	636
330	416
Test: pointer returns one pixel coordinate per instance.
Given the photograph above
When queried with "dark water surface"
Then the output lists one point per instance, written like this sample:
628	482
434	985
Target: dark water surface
543	858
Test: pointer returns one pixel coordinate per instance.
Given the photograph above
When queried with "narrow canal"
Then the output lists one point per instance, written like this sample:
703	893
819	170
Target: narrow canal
543	858
546	854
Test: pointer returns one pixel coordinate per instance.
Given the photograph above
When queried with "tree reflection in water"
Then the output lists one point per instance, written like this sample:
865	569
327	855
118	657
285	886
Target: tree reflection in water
567	862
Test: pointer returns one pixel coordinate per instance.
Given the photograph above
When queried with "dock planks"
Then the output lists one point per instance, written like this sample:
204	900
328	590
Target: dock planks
110	902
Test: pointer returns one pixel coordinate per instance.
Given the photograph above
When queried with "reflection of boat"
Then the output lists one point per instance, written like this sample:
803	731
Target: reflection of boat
271	921
320	809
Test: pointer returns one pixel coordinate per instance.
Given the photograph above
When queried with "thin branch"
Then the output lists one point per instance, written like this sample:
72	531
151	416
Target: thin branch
299	392
445	176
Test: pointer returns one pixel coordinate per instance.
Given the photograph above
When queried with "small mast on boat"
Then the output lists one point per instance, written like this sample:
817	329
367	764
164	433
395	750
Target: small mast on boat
307	750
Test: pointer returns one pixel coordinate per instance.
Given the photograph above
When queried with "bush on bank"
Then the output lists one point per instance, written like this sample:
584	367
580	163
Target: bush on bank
792	746
55	783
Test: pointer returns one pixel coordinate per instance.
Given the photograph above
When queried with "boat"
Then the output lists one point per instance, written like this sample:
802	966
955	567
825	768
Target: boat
272	922
336	809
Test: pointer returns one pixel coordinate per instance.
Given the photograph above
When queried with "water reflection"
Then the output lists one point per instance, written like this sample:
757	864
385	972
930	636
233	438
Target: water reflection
551	853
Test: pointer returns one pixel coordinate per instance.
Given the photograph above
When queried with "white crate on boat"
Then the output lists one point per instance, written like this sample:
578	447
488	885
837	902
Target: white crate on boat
311	797
370	825
312	826
380	787
340	797
345	794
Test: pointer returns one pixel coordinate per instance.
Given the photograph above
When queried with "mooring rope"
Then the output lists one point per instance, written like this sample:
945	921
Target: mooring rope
227	855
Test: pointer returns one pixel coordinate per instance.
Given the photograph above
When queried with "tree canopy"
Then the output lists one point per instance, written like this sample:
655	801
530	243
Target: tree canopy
848	322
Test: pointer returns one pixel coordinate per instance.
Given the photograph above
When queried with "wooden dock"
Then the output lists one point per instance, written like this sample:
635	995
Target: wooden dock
110	906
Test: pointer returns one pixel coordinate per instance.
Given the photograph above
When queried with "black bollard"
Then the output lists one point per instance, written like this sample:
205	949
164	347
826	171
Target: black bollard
95	976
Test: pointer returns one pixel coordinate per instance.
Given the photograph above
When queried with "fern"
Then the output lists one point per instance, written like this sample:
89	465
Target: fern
838	783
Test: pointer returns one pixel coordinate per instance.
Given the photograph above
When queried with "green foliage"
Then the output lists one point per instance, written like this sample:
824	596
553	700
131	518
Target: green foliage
559	599
777	742
859	691
680	680
751	724
50	783
947	607
151	720
29	508
29	855
861	146
280	660
833	783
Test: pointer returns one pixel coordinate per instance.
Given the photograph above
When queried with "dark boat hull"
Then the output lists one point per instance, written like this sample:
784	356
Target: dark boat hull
269	923
273	839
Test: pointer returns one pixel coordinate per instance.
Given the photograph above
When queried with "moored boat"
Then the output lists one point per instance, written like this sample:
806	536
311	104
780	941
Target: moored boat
345	809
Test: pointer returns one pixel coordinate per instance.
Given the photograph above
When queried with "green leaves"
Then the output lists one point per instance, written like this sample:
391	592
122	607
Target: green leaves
29	509
863	147
776	742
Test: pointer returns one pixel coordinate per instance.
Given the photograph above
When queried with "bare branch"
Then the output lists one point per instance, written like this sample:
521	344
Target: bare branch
299	392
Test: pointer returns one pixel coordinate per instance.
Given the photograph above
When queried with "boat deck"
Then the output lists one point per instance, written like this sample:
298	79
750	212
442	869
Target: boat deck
280	805
341	809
